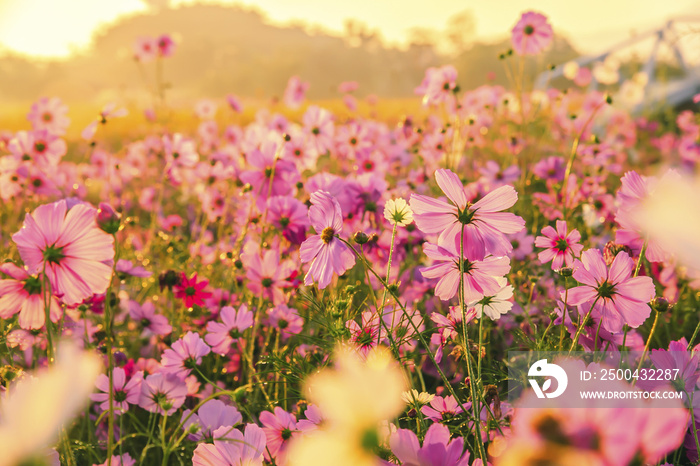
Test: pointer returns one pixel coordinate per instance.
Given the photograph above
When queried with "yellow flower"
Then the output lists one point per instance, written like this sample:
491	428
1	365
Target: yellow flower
354	397
398	212
36	407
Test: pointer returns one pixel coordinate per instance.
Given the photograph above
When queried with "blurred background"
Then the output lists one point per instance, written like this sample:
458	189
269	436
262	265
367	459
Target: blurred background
83	50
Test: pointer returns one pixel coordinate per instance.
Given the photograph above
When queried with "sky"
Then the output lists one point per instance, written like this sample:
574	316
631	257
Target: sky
56	28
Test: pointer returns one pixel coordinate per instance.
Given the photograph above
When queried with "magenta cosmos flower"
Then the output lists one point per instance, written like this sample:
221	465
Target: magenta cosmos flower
619	298
561	247
185	355
481	278
266	275
485	226
233	323
69	247
442	409
162	393
531	34
23	293
191	291
437	449
326	253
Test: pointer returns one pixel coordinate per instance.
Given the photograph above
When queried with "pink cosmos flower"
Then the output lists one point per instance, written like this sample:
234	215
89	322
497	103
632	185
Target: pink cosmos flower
481	278
125	392
69	247
439	85
269	175
279	428
145	49
127	267
162	393
233	449
222	335
191	291
234	103
364	336
619	298
119	460
185	354
295	92
290	216
209	417
442	409
266	275
286	320
326	253
484	225
532	34
50	115
437	449
23	293
42	147
318	125
151	323
314	418
561	246
166	45
179	151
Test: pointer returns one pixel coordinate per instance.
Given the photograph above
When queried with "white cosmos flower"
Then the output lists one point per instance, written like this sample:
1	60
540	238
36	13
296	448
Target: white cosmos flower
494	306
398	212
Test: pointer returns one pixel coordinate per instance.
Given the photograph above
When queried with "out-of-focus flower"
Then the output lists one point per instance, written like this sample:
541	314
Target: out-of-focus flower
354	398
531	34
166	45
295	93
120	460
53	395
607	72
398	212
669	216
49	114
326	253
69	247
570	70
145	49
146	317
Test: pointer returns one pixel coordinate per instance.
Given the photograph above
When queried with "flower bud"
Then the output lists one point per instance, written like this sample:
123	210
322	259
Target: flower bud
566	271
360	237
611	250
660	304
107	219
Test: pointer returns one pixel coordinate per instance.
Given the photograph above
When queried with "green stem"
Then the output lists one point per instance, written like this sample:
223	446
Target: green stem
467	354
380	311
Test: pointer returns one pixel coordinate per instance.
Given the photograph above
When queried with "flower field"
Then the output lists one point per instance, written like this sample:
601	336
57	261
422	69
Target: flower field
306	284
